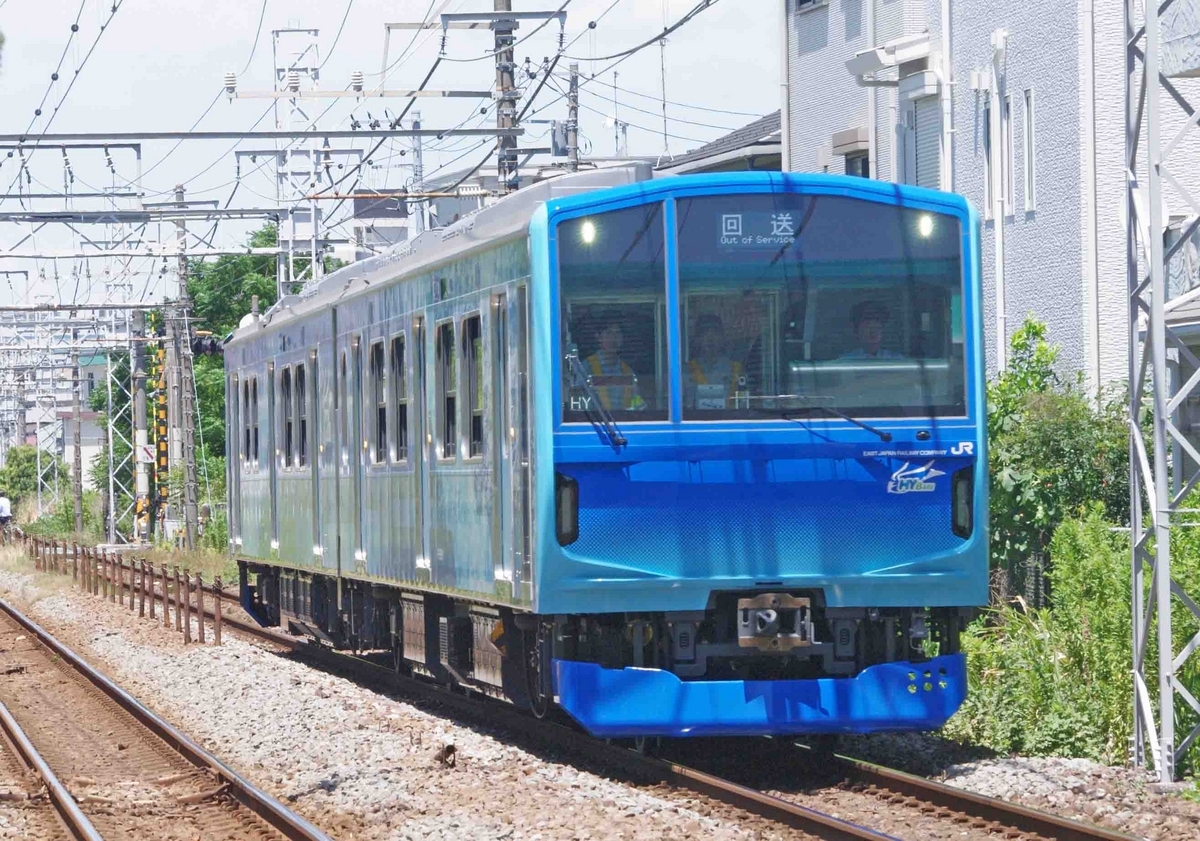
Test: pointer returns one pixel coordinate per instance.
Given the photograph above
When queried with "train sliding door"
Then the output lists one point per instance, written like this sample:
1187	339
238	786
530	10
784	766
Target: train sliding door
423	438
502	508
520	484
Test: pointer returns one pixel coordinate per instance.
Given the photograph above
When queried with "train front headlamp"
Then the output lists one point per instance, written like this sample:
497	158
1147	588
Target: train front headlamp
587	232
925	226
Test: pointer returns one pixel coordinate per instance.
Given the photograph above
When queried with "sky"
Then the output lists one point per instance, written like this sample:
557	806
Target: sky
159	65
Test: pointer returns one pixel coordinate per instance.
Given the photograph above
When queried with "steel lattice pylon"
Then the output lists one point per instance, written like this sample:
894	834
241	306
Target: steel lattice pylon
1160	476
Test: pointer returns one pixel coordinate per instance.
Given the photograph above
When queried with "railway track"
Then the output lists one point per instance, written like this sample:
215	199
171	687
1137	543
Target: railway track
111	768
911	806
799	789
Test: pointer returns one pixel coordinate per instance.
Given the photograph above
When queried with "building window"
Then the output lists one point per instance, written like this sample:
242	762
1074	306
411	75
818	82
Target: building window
91	382
1029	150
379	400
400	389
285	403
988	184
301	418
447	386
923	160
473	357
1007	161
858	164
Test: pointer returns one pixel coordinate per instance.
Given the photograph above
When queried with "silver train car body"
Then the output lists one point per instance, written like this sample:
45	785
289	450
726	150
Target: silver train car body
323	523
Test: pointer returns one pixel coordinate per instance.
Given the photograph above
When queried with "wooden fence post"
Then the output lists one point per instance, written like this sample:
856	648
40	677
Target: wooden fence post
152	576
187	605
178	603
217	610
141	589
165	585
200	607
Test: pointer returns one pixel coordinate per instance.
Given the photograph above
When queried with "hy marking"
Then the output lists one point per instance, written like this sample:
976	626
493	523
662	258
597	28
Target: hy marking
914	479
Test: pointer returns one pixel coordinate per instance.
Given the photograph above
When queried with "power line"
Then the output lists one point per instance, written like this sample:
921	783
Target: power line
338	37
257	34
696	10
74	78
689	106
493	53
626	122
680	119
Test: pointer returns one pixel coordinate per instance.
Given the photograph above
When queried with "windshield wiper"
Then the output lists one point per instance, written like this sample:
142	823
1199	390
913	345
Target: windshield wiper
600	417
786	415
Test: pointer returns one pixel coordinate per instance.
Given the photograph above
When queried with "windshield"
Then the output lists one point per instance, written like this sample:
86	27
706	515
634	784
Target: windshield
793	303
613	283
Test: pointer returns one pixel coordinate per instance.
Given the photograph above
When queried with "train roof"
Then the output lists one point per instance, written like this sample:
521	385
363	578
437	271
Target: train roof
504	219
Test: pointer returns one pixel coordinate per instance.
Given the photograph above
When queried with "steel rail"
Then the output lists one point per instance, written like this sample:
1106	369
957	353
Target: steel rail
69	814
1014	815
993	810
261	804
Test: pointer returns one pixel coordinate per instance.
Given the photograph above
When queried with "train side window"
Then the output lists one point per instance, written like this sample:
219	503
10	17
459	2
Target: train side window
301	418
472	340
379	400
400	389
447	387
285	403
254	418
246	424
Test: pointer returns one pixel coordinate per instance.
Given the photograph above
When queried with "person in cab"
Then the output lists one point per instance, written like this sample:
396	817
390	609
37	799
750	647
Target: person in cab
712	375
614	379
868	319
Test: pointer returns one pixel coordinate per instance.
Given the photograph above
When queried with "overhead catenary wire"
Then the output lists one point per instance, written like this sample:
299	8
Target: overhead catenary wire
338	37
696	10
491	54
74	78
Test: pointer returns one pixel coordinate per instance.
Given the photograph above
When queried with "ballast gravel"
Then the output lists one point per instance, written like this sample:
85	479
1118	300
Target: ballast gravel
363	766
358	764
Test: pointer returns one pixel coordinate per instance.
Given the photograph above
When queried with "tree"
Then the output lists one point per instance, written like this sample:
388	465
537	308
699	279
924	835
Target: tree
19	476
222	290
1053	450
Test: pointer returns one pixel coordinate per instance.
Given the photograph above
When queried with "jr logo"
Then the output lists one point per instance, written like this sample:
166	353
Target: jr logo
963	448
914	479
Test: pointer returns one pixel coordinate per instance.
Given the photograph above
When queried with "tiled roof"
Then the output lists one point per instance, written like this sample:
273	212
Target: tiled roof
763	130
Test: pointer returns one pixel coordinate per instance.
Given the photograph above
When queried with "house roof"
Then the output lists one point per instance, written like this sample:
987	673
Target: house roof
763	131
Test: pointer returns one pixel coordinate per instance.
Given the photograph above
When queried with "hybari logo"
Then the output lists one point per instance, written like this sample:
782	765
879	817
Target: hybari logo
914	479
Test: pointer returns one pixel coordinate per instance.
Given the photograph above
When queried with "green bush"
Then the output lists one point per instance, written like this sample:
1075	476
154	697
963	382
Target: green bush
1052	451
1057	680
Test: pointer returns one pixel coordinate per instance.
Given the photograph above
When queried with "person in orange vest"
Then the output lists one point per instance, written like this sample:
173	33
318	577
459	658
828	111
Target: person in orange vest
607	362
710	365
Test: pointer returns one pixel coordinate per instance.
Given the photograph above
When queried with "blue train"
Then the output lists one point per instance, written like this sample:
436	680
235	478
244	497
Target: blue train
697	455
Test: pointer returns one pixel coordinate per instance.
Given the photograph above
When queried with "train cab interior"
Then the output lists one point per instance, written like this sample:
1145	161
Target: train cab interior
762	330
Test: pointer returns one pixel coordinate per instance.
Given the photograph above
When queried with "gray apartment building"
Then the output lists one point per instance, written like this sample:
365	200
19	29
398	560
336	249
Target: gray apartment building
1018	106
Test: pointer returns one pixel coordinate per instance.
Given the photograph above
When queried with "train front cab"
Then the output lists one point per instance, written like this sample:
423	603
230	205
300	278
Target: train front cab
767	507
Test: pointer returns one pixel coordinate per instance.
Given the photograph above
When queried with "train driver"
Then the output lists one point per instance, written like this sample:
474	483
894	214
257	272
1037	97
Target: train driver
868	319
710	365
607	362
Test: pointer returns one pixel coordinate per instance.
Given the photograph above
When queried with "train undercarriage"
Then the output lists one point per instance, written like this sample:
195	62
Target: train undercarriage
760	639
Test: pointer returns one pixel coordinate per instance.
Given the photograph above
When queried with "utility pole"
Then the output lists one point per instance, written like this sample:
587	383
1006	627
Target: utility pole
181	343
506	109
573	120
141	510
77	440
417	209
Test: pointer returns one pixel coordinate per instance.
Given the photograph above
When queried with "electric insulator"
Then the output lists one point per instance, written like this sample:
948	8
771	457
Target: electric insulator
293	81
230	83
356	81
